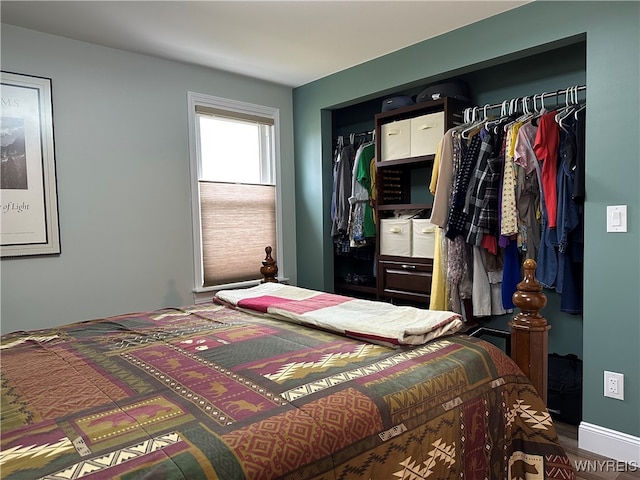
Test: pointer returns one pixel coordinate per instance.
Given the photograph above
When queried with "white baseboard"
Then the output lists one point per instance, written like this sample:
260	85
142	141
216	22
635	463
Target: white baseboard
609	443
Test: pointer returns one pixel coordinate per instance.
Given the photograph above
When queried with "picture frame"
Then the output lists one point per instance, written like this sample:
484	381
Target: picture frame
28	187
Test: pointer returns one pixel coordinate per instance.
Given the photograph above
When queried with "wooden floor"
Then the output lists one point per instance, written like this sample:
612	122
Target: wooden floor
590	466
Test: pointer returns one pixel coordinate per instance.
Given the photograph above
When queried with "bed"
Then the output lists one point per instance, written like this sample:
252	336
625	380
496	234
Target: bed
245	388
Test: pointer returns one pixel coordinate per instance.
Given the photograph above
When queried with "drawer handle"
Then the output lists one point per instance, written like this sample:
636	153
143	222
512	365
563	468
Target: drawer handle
394	132
408	267
395	230
425	126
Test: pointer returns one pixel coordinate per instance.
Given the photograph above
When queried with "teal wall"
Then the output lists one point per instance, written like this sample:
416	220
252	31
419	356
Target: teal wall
122	158
611	329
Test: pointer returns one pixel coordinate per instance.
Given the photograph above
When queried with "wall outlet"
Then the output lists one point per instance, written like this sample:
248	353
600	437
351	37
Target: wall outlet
614	385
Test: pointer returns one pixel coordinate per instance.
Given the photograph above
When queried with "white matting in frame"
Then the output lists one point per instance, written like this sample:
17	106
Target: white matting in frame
28	194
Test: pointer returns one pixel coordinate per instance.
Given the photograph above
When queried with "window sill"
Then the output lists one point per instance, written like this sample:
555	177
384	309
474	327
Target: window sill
205	294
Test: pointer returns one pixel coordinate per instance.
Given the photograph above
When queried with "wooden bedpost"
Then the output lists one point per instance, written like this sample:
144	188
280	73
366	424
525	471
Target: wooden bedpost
529	330
269	269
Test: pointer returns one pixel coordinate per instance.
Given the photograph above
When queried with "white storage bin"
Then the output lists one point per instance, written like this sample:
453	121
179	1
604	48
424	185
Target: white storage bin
423	238
426	132
395	237
395	140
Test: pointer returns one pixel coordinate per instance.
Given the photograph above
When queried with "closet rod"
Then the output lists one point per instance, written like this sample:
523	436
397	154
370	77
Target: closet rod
542	96
363	134
359	134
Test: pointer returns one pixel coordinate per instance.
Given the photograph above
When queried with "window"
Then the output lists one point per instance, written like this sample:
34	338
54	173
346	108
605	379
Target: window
233	159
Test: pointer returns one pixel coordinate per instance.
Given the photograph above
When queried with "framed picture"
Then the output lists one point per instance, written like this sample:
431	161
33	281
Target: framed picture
28	194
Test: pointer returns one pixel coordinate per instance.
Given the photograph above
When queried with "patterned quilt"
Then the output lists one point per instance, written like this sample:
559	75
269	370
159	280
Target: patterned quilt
212	392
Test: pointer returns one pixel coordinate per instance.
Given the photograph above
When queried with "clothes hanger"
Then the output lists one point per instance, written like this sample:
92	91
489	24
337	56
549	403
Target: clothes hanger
569	103
534	108
561	113
536	112
485	112
466	115
572	104
522	118
507	115
472	124
527	113
542	111
338	149
489	124
578	106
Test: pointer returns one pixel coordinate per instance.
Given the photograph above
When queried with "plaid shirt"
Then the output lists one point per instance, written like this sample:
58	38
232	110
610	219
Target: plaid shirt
483	205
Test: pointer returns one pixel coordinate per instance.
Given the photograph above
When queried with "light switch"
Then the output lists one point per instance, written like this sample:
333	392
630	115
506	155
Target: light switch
615	221
617	218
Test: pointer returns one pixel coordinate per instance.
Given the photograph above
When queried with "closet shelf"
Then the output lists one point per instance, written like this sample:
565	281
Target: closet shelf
401	184
371	290
416	162
419	108
405	206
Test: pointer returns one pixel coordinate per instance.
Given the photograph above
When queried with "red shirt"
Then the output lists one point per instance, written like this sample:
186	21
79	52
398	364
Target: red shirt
546	149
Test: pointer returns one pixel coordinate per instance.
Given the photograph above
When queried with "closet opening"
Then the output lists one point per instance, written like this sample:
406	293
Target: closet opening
547	68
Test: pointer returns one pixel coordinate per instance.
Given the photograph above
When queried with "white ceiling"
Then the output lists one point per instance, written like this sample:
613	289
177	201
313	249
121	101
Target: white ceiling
287	42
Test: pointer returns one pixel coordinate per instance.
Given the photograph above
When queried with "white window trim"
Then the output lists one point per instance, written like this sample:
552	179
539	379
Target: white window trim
203	294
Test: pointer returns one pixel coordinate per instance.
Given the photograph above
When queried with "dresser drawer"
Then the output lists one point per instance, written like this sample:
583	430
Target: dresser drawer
406	280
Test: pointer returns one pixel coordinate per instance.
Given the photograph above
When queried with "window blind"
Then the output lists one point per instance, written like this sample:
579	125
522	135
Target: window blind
234	115
238	222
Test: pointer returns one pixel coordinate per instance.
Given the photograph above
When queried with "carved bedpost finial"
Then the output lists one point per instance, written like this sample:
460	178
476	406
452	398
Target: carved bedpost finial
529	330
529	297
269	269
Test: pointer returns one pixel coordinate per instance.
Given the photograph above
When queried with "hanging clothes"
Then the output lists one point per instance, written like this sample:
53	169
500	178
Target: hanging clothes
459	254
483	231
362	224
511	275
457	221
481	205
546	149
441	181
373	189
508	210
521	160
560	254
511	191
343	167
578	191
528	191
439	294
486	296
569	224
336	159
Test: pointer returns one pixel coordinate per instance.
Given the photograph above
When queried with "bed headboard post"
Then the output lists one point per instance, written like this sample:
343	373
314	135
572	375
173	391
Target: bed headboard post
530	331
269	269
